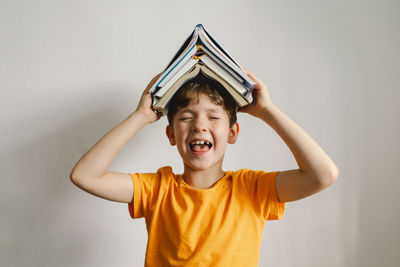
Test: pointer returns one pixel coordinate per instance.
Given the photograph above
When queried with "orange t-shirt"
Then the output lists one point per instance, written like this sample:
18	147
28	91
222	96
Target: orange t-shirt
218	226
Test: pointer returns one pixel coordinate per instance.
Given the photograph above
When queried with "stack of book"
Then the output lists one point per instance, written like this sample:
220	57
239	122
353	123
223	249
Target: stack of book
201	53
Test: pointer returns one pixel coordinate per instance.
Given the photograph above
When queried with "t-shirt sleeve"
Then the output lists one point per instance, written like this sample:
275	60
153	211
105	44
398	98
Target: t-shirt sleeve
262	190
145	187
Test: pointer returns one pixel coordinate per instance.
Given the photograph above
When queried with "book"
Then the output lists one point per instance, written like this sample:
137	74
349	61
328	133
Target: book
160	105
207	60
201	53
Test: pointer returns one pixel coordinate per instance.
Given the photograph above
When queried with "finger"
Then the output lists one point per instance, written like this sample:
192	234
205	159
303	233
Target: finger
253	76
153	81
155	78
243	109
259	84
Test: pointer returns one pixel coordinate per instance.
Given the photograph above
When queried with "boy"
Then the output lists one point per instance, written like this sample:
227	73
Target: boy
205	216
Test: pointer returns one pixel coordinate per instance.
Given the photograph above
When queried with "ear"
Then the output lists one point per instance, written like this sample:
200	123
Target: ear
233	133
170	134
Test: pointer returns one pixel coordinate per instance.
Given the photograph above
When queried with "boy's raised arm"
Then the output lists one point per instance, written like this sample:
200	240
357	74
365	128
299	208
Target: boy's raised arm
316	170
91	171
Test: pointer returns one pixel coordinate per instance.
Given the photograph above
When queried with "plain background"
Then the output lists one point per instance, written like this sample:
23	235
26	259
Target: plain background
72	70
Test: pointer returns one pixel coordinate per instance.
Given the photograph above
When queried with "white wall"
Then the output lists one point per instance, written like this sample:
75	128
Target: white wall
72	70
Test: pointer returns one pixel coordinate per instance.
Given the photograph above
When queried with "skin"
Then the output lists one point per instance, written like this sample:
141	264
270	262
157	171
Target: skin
202	120
316	170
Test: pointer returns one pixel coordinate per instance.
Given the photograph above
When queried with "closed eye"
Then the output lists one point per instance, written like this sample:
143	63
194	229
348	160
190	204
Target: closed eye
185	118
213	118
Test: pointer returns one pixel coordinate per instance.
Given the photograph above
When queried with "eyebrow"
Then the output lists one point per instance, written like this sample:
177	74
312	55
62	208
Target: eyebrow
207	110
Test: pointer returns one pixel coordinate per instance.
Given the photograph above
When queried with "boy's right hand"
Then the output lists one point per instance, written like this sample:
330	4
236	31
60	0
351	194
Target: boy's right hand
145	104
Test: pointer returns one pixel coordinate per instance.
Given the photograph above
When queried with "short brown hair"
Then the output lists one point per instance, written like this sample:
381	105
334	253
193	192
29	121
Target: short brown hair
202	85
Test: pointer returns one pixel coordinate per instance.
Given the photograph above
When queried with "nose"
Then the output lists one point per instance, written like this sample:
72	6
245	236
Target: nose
199	124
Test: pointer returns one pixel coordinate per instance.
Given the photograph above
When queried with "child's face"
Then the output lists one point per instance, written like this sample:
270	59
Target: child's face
201	133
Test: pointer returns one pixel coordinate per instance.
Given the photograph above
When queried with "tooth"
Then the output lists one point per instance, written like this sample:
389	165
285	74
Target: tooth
200	143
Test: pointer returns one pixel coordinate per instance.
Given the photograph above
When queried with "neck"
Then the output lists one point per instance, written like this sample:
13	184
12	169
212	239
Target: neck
202	179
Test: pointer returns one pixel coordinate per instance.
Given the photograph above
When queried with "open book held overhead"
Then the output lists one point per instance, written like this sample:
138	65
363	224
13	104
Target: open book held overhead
201	53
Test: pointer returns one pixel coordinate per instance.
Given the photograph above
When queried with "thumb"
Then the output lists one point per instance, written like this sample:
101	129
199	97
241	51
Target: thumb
243	109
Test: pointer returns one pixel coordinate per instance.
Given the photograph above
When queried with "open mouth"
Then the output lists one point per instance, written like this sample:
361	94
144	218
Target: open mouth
200	146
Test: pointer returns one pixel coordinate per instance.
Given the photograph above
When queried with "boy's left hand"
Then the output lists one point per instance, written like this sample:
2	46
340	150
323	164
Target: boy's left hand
261	98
